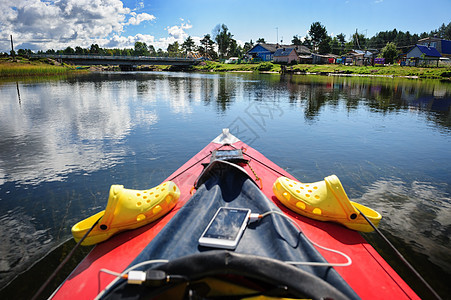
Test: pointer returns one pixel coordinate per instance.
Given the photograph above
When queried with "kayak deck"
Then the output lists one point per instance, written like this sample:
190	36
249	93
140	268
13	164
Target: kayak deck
369	275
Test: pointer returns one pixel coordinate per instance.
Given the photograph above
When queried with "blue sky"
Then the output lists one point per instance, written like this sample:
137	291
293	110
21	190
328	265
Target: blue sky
45	24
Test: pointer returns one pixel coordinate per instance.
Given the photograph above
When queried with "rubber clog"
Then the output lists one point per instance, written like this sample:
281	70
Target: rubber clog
127	209
324	201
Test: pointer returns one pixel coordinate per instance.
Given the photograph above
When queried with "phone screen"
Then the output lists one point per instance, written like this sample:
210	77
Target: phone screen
224	154
227	224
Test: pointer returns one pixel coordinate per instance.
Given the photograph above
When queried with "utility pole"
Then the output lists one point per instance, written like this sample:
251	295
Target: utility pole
277	39
12	48
357	38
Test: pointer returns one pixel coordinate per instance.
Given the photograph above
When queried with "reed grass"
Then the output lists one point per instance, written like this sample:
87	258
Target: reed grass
13	69
22	67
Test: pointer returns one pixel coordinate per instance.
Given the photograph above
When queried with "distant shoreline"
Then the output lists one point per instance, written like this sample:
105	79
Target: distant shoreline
333	70
26	68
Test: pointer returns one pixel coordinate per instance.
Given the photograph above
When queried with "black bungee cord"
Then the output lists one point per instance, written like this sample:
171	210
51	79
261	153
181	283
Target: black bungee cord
63	263
71	253
401	257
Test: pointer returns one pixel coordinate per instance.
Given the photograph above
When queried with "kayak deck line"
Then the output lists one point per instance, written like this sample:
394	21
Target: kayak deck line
371	278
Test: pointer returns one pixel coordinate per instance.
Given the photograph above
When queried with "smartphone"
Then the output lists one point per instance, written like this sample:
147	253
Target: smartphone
226	228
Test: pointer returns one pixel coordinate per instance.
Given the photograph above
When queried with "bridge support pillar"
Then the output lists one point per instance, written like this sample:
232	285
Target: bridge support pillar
128	67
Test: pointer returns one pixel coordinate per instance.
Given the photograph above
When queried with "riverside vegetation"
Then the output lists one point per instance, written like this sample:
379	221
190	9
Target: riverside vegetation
22	67
391	70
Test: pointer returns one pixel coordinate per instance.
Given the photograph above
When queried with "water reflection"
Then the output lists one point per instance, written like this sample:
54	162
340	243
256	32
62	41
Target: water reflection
422	209
59	128
19	233
381	95
63	142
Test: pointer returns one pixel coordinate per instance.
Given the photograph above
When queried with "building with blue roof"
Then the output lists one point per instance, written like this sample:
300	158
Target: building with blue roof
443	46
422	55
265	52
424	52
285	55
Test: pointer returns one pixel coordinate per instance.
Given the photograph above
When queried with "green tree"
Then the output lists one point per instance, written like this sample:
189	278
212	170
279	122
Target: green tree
211	50
445	31
349	46
307	42
261	41
69	50
296	40
318	33
204	44
95	49
24	52
173	49
359	41
235	50
248	46
152	51
79	50
160	52
223	38
324	45
342	39
141	49
389	52
188	45
335	46
207	47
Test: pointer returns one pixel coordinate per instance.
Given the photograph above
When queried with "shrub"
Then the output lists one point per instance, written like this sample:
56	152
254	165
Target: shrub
265	66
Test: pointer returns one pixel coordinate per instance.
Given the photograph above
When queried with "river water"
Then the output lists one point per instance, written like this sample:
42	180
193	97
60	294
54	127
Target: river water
64	141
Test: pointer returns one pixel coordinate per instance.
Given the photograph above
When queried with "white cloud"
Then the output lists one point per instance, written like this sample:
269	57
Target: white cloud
136	19
41	24
178	32
140	5
118	41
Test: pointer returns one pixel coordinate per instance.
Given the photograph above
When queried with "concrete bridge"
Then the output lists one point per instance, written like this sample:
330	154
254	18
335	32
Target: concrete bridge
124	62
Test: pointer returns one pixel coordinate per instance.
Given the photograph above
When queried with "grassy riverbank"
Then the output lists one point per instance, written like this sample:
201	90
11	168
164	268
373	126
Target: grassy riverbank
22	67
394	70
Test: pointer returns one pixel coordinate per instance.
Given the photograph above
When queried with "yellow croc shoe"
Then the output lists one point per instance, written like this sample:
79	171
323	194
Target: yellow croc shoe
127	209
325	201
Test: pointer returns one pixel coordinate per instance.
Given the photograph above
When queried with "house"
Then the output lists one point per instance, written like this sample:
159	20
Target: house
265	52
420	51
360	57
324	58
422	55
442	46
286	56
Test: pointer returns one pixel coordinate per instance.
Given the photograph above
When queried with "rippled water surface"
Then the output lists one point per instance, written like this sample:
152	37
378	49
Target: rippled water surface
64	142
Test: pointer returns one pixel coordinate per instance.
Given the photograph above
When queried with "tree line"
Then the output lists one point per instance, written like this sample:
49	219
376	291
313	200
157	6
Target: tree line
220	39
319	41
220	44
